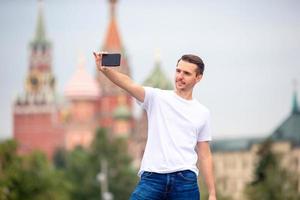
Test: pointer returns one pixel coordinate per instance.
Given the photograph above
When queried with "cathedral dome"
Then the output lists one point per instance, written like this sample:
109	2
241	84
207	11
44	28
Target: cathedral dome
82	85
158	78
122	112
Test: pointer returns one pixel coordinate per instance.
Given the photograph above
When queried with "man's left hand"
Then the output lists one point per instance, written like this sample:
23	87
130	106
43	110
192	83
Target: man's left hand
212	197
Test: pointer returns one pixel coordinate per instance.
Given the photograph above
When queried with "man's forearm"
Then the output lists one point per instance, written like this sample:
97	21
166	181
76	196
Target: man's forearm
117	78
121	80
206	167
125	82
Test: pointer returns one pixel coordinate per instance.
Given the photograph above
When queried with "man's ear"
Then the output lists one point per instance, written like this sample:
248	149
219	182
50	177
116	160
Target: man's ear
198	77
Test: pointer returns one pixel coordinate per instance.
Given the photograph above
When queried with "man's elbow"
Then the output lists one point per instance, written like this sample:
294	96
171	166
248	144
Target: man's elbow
138	92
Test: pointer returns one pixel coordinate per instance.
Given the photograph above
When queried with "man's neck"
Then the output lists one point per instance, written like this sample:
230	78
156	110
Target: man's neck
188	95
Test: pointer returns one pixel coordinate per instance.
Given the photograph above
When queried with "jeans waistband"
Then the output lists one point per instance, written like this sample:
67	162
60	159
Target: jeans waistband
176	172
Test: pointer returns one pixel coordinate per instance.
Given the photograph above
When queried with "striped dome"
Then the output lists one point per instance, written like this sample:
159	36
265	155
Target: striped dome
82	85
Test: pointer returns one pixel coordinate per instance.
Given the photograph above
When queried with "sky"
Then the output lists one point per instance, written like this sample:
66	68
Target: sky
251	50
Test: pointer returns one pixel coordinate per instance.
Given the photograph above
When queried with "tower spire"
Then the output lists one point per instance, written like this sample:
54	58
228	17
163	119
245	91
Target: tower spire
157	56
40	33
295	109
40	80
112	42
112	8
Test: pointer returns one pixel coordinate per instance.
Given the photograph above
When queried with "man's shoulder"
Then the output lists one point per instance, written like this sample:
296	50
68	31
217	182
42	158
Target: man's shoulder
157	90
202	107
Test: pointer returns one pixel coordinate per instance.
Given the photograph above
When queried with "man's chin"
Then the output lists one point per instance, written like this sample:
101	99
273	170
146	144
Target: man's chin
181	88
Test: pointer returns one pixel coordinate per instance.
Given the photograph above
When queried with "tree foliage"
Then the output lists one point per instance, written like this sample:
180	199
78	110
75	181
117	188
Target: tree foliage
271	182
74	176
29	177
83	165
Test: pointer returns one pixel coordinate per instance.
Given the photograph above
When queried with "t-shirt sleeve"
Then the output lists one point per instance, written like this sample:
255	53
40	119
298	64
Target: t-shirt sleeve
149	96
205	132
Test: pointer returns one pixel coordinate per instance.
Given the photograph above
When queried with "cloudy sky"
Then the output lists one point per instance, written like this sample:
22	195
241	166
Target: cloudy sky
251	50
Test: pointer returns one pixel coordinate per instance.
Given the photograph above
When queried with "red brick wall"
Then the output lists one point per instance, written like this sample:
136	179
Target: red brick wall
38	131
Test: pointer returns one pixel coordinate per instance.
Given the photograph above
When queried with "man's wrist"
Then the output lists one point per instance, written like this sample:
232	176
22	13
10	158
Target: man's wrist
106	69
212	193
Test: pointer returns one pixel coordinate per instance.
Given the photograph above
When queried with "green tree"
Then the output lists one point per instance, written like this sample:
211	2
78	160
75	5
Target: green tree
82	174
122	176
271	181
83	165
29	177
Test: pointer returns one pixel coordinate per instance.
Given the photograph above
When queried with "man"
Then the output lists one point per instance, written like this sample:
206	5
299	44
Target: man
178	134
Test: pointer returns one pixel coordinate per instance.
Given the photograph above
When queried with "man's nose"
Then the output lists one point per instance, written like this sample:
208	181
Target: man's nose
180	75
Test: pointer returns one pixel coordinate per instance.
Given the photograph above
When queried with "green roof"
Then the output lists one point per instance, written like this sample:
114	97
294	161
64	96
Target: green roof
295	109
289	130
122	112
239	144
158	79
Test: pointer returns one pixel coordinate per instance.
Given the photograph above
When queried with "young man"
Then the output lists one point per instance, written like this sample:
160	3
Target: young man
178	134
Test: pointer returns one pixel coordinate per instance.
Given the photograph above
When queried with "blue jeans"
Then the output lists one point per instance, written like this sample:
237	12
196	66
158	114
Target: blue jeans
179	185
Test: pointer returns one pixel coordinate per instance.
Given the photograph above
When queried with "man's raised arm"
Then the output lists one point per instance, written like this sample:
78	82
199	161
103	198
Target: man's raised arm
121	80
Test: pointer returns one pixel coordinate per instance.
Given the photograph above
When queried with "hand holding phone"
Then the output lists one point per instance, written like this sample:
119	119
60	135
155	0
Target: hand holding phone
106	60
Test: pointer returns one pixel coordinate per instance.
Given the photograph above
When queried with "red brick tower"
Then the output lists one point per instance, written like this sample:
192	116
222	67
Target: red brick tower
111	94
36	117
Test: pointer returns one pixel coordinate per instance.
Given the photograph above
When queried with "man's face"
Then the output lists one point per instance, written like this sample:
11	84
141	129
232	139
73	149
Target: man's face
186	76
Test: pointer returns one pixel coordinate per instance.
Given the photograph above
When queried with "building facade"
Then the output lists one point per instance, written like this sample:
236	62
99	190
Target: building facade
235	160
41	122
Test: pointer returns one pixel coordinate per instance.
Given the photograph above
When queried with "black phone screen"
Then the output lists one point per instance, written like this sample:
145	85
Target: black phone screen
113	59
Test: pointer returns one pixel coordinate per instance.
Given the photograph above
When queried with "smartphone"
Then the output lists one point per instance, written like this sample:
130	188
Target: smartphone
111	59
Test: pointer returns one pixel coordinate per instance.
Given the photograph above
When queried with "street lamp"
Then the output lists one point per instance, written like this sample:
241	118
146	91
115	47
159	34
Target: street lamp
102	178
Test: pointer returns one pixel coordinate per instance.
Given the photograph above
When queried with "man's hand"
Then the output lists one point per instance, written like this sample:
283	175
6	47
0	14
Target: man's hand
98	60
212	197
121	80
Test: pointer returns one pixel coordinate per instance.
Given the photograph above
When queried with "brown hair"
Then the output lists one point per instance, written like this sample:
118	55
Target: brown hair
195	60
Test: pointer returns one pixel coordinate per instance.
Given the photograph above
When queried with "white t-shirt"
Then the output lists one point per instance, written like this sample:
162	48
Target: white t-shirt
174	127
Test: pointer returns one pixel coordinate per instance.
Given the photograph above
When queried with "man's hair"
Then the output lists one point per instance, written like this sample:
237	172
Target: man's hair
195	60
